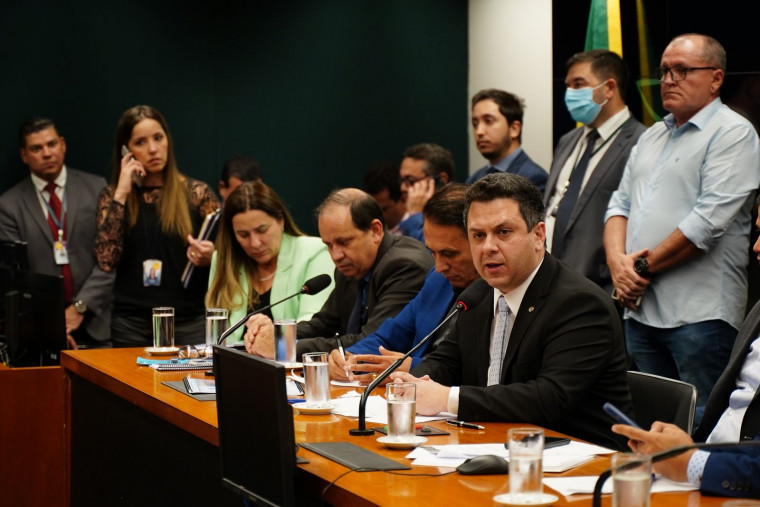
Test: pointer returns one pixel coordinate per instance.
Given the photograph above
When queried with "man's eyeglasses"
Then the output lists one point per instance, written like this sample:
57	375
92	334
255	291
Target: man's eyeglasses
411	180
677	73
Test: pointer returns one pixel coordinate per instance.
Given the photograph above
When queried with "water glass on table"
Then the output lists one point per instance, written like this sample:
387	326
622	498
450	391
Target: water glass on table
631	480
526	449
317	376
402	407
285	340
216	325
163	326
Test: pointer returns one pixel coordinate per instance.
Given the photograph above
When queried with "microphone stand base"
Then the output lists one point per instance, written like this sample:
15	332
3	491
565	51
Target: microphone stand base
358	432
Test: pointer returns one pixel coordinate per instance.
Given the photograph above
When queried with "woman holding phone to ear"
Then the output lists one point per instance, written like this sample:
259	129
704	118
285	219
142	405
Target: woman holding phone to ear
146	220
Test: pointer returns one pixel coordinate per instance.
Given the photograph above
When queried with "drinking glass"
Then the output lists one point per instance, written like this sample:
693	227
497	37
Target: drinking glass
631	480
317	376
163	326
402	403
216	324
526	449
285	340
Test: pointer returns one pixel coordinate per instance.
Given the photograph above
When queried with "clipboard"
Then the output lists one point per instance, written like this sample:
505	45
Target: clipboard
210	223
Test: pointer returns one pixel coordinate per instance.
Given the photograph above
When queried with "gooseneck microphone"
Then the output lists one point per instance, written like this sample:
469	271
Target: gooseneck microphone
310	287
469	298
662	456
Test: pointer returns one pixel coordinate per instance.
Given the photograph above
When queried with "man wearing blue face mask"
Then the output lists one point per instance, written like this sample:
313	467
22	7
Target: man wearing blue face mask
589	161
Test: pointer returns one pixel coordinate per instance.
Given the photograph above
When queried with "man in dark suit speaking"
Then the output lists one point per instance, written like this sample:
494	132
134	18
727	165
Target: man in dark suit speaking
547	348
53	210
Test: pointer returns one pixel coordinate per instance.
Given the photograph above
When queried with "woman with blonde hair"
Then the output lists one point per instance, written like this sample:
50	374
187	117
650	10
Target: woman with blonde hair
146	220
261	257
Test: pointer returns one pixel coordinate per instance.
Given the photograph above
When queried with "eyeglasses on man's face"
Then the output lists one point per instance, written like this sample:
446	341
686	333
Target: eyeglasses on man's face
677	73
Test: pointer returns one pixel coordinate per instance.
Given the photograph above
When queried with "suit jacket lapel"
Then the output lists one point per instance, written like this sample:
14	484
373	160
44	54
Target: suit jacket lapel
602	167
563	152
530	308
73	201
32	204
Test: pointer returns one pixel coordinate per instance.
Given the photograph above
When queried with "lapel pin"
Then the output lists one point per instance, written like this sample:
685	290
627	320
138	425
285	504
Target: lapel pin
530	309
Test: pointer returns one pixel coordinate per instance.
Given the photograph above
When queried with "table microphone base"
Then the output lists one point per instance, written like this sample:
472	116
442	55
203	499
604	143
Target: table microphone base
358	432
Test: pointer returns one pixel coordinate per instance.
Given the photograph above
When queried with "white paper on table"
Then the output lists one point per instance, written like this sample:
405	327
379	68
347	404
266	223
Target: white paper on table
375	411
558	459
585	484
291	389
346	383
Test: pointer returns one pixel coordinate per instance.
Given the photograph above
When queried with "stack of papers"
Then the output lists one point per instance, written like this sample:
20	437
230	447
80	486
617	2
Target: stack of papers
585	484
557	459
376	410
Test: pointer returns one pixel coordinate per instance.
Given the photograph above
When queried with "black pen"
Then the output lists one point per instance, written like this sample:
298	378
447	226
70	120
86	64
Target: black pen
462	424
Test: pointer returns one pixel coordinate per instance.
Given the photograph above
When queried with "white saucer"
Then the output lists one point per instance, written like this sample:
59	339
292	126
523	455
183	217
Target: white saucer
395	443
544	499
162	351
293	365
304	408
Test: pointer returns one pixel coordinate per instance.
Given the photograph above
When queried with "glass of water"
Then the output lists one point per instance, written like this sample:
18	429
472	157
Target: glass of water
526	449
402	404
285	340
163	326
317	376
631	480
216	324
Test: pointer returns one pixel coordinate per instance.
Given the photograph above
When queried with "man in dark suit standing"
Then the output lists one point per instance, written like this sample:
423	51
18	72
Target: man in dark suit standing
732	414
54	212
589	161
546	348
497	122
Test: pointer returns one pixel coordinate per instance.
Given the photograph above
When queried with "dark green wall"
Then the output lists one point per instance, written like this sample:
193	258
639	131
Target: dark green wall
316	91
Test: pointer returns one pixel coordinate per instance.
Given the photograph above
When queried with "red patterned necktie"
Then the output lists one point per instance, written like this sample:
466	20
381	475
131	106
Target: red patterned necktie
55	208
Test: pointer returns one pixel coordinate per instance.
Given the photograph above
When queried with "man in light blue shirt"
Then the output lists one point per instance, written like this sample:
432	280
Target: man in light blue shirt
732	414
676	229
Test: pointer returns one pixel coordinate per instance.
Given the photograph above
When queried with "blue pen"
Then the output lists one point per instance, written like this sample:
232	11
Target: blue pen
295	400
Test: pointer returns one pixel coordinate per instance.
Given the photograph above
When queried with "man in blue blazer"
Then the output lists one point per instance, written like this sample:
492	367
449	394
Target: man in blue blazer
24	212
446	238
732	414
579	188
497	122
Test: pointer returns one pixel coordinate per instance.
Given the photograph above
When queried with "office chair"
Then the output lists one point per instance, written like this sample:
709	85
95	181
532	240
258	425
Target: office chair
658	398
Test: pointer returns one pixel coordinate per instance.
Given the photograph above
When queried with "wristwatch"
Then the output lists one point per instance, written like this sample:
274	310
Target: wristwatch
641	267
80	306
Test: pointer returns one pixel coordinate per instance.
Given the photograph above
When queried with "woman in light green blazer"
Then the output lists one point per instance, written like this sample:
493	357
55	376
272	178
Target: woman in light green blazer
262	257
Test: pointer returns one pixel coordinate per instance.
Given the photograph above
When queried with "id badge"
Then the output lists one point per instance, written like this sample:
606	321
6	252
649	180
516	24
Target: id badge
152	273
60	253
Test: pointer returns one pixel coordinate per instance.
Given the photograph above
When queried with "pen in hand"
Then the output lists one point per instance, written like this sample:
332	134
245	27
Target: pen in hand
340	348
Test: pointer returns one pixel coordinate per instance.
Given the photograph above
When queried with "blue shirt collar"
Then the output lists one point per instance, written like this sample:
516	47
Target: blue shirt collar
503	164
700	119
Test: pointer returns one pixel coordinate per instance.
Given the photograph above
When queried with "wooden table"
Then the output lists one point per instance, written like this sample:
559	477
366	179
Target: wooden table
128	428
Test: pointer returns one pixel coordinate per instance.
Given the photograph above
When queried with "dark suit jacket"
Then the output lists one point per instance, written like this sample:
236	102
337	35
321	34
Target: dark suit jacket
584	250
729	472
22	219
565	359
522	165
397	275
